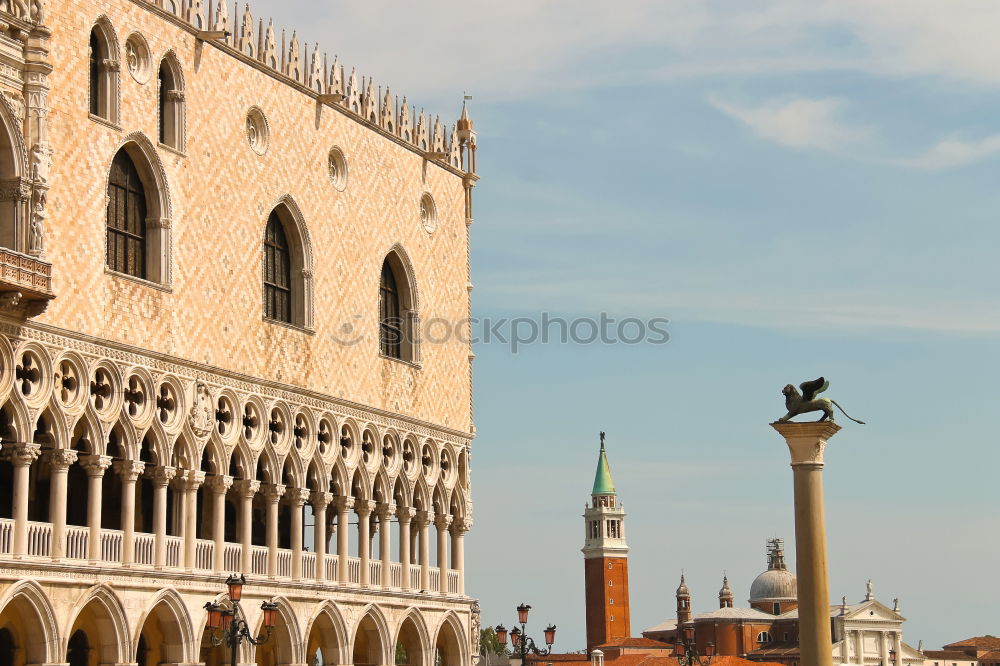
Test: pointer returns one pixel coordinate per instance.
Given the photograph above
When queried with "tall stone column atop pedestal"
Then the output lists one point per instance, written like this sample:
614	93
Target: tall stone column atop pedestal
806	444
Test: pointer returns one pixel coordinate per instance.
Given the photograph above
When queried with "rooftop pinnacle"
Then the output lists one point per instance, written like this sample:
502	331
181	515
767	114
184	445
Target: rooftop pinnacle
603	483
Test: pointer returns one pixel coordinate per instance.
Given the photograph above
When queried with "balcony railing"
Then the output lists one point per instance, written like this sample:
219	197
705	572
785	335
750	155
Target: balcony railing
39	547
26	281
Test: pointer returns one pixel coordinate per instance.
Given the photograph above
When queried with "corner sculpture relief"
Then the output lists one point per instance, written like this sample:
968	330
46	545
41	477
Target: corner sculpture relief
802	403
41	164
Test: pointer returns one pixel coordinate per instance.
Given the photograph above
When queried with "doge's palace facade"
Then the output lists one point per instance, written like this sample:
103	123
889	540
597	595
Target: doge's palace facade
218	249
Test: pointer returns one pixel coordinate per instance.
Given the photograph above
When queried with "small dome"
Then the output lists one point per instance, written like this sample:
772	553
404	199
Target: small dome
774	585
682	590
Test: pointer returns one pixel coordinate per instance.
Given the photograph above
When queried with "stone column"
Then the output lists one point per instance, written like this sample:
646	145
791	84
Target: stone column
129	471
297	498
319	501
458	530
806	444
273	493
220	485
59	462
21	456
405	516
897	641
385	514
192	481
161	480
94	466
424	520
246	490
364	510
344	506
442	524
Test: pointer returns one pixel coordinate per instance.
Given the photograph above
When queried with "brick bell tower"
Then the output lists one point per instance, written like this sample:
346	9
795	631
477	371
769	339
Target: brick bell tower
605	559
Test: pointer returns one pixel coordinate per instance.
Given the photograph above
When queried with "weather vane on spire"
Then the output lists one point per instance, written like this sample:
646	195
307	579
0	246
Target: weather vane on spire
602	439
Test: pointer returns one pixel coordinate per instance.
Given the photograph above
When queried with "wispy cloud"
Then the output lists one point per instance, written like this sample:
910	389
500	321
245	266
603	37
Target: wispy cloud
798	123
953	153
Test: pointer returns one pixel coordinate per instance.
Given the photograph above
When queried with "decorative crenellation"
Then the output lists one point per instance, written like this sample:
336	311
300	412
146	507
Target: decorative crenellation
241	36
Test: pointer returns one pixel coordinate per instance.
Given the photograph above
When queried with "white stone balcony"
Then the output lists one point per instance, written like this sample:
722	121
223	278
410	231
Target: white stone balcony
39	549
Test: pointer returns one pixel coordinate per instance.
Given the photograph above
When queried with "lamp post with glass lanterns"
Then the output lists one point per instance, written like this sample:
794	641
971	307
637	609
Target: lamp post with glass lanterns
519	639
233	623
686	650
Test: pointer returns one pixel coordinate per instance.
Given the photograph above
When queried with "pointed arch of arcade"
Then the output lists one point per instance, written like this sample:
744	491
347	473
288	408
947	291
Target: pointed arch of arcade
171	632
414	638
449	649
285	645
326	635
370	643
28	615
101	618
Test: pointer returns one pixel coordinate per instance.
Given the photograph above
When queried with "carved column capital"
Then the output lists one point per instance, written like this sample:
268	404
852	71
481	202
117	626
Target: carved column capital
22	455
220	483
129	470
95	465
246	489
320	500
385	511
405	513
443	521
162	475
274	492
424	518
461	525
192	479
62	458
296	496
364	507
343	503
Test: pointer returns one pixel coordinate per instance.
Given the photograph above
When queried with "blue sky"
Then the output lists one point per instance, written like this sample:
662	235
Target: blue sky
802	188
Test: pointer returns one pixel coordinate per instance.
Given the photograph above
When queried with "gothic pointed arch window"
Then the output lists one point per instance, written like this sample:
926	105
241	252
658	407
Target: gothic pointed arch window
397	314
287	267
137	223
170	95
277	272
103	72
126	218
14	201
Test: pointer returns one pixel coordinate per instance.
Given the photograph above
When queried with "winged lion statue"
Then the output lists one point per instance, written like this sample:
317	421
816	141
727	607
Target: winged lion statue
801	403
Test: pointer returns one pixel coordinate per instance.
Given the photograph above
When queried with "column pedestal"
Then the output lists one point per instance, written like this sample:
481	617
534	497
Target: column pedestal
806	445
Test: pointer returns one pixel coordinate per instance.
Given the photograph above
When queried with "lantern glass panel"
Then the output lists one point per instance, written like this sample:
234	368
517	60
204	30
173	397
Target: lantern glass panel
235	586
522	613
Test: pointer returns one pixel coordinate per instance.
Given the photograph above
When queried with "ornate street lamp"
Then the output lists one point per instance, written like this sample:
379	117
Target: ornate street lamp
233	624
519	639
686	650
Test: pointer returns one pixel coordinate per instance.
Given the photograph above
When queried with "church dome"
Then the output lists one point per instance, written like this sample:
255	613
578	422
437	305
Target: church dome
774	585
777	583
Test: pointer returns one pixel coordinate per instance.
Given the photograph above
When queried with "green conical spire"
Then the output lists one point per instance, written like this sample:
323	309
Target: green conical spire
603	483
